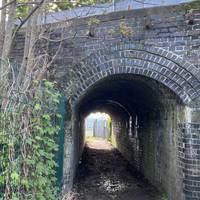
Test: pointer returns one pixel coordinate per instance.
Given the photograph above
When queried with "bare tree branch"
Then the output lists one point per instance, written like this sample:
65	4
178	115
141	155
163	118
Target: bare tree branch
7	4
26	19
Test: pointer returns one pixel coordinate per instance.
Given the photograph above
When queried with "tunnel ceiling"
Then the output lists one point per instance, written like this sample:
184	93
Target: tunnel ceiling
131	93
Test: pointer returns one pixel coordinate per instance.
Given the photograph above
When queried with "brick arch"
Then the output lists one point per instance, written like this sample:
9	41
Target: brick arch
156	63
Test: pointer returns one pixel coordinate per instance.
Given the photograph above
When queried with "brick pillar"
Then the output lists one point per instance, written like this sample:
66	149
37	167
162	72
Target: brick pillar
189	154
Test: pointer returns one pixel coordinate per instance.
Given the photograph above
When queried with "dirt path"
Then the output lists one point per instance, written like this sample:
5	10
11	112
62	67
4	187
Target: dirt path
105	175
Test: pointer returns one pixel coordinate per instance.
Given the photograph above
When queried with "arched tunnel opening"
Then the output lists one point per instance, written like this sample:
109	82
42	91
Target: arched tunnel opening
144	121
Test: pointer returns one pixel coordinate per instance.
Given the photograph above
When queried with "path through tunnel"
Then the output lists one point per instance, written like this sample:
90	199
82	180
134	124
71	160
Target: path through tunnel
145	115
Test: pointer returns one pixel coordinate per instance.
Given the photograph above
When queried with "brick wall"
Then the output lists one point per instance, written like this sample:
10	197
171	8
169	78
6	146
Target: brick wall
189	155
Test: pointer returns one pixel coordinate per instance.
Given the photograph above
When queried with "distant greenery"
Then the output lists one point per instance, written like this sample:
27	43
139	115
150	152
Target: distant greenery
56	5
164	197
64	5
192	5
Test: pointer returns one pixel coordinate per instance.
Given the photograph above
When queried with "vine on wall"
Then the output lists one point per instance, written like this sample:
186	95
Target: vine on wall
28	146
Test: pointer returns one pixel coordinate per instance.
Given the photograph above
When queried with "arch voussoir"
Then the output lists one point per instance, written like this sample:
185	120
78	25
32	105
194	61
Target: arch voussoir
139	71
156	63
145	65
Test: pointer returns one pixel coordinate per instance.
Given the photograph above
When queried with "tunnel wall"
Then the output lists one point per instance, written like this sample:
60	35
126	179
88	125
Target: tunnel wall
125	143
154	152
79	131
74	145
159	150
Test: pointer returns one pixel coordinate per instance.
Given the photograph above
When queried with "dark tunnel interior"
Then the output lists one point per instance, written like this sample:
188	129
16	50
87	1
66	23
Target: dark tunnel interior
144	114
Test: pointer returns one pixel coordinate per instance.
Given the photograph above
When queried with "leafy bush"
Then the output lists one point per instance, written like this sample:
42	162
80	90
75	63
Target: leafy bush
125	30
28	145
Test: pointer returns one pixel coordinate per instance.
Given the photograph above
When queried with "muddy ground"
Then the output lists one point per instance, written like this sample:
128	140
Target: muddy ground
105	175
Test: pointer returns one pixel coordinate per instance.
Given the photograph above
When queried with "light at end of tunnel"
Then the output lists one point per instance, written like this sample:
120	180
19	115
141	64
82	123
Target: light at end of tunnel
98	115
97	125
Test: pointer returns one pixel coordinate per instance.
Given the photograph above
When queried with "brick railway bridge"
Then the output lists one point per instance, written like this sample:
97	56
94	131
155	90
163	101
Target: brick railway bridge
152	75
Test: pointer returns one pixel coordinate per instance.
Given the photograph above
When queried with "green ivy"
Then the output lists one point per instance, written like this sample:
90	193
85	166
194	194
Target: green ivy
28	146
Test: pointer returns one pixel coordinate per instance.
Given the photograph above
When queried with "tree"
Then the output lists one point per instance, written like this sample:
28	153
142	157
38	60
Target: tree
26	123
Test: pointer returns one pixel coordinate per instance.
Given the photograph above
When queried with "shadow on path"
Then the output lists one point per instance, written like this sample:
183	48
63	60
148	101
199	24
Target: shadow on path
104	174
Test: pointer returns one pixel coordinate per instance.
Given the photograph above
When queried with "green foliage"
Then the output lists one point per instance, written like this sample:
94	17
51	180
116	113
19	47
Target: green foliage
192	5
111	31
28	146
125	30
65	5
164	197
22	8
93	21
54	6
